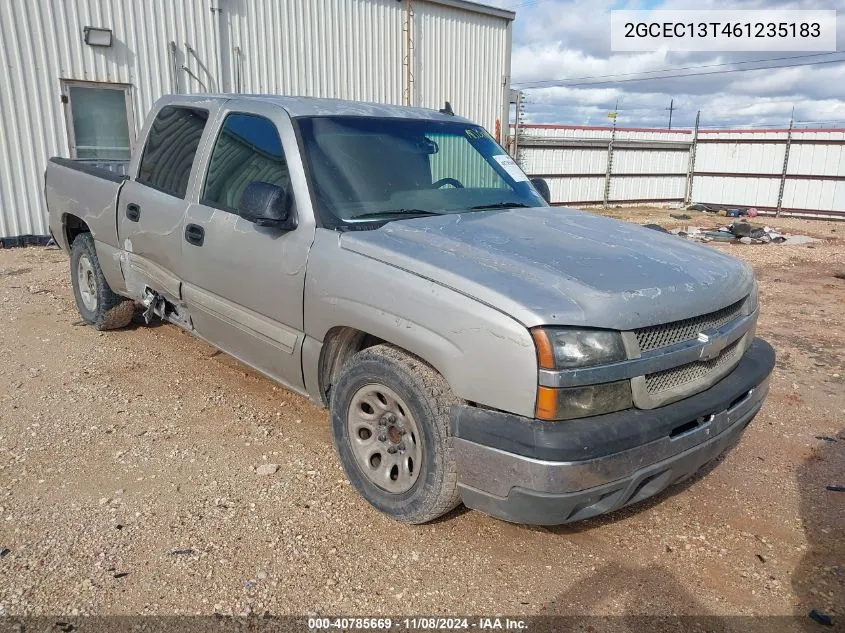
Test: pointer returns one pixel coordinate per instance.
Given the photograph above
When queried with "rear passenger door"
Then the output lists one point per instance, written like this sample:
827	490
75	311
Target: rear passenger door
243	282
152	204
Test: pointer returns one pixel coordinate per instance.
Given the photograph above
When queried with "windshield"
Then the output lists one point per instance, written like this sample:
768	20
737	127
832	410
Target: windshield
368	169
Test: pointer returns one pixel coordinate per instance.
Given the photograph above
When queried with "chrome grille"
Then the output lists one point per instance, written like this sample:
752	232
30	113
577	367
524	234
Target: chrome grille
657	336
695	373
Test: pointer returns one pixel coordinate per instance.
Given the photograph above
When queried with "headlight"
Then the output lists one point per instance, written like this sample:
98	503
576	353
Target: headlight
753	300
582	402
566	348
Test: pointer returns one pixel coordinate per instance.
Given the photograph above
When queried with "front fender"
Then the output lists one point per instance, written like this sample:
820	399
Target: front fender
486	356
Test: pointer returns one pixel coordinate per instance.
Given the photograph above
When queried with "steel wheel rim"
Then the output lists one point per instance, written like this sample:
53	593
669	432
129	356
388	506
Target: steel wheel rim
87	282
384	438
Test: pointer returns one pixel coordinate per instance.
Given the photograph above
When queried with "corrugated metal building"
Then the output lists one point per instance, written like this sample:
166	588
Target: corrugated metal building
77	77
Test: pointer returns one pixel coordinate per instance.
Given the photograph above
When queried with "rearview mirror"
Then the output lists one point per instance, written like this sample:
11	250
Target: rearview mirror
265	204
542	188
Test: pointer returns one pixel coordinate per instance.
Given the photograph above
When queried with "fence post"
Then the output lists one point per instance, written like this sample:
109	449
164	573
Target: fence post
517	128
691	163
609	171
785	166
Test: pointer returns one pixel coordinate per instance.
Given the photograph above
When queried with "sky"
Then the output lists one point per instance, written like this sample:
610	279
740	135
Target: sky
568	40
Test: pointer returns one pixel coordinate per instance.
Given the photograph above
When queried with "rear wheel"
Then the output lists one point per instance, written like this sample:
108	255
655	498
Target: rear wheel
390	425
97	303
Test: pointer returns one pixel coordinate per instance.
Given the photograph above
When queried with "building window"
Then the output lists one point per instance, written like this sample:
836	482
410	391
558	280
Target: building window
247	149
171	148
99	119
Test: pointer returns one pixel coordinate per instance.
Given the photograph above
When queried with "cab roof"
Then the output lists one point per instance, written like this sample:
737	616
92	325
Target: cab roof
312	106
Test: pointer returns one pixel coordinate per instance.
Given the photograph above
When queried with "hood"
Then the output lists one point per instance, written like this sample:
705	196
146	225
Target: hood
558	266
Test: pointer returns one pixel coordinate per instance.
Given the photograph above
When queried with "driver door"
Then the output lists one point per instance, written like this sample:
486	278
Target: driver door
244	283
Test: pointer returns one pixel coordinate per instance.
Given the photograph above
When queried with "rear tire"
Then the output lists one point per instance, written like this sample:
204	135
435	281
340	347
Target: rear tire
390	425
98	305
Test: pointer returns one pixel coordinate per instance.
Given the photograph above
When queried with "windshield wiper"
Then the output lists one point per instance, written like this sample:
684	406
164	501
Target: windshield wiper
417	213
501	205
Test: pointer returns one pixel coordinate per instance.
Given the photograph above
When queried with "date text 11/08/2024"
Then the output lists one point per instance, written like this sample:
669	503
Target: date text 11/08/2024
418	623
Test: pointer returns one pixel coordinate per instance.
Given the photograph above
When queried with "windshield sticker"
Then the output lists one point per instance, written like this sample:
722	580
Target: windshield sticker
475	135
507	163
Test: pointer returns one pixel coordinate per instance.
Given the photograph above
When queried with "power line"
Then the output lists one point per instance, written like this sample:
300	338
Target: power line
663	70
714	72
527	3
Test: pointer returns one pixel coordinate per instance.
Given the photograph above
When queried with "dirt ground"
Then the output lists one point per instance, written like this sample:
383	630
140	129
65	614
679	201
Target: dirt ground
128	483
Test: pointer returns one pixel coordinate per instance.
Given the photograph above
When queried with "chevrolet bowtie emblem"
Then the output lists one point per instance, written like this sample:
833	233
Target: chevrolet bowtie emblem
712	346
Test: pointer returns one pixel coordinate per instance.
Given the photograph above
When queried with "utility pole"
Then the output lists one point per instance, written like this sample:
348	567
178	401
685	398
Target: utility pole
691	166
785	163
607	175
517	130
671	108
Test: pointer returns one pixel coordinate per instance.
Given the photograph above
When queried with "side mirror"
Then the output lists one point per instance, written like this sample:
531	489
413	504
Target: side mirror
542	188
264	204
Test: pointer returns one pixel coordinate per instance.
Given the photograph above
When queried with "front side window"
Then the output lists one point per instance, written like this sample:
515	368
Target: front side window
365	169
171	147
247	149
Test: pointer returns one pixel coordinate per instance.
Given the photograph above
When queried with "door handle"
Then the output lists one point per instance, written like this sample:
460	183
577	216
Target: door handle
133	212
194	234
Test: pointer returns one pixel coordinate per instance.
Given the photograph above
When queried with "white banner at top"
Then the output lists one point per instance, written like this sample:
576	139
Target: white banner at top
768	30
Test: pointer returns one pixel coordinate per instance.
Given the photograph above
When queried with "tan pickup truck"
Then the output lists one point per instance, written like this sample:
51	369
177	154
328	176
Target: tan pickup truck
473	344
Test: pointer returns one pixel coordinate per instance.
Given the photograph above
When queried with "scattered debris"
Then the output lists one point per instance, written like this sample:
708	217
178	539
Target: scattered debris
65	627
655	227
741	232
821	618
835	488
182	552
11	272
680	216
5	552
267	469
121	574
761	558
825	438
839	274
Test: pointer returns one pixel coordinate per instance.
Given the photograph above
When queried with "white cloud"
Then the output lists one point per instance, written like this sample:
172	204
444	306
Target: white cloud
568	39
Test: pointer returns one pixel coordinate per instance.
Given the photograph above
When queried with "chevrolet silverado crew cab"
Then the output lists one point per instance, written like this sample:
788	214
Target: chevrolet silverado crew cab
473	344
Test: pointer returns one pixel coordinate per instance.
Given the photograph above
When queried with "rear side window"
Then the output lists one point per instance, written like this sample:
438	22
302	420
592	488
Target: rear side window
171	147
247	149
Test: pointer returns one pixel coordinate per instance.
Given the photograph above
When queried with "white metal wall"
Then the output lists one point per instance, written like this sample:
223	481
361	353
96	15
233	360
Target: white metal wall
347	49
41	44
741	167
350	49
732	167
461	57
573	160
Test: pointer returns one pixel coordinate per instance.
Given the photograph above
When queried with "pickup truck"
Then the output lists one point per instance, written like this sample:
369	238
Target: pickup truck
473	344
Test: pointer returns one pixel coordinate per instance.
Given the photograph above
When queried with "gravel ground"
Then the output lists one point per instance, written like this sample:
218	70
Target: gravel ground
136	477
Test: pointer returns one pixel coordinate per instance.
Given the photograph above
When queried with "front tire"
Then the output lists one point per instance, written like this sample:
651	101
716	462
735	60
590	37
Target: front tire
98	305
390	426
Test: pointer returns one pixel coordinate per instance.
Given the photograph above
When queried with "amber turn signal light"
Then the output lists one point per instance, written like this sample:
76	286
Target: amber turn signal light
545	354
546	403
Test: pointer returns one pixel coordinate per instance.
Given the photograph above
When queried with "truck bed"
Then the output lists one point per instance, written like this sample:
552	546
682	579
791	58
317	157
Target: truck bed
86	190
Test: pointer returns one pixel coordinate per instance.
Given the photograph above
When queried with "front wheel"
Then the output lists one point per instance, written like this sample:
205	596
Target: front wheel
98	305
390	426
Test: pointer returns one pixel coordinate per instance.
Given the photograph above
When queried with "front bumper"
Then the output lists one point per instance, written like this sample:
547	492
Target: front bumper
547	473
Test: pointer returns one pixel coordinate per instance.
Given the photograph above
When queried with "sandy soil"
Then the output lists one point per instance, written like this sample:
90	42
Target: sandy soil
128	483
